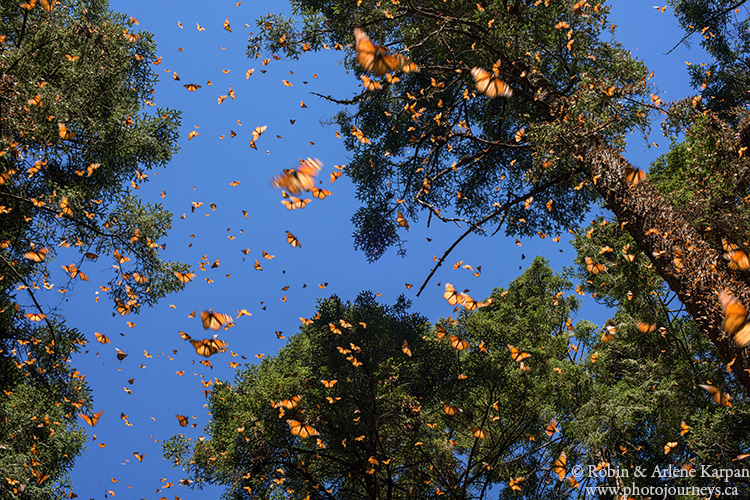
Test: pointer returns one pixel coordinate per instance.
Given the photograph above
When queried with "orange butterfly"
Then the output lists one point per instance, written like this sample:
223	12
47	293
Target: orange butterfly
737	258
720	398
213	320
35	316
514	483
184	277
320	193
634	175
489	85
735	319
458	343
450	410
376	59
64	132
452	296
289	404
559	466
517	355
478	432
328	383
300	430
37	255
91	419
294	203
182	419
645	327
192	87
292	240
551	429
594	268
207	347
301	179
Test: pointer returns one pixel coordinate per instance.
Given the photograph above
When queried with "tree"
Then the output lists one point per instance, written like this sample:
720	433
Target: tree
75	139
428	141
396	411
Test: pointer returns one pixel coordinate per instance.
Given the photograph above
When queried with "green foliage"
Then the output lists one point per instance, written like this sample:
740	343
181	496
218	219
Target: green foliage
723	30
436	145
646	383
406	420
75	139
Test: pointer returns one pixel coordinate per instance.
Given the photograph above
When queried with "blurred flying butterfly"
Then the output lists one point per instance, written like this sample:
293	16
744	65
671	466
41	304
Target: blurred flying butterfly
214	320
208	347
489	85
376	59
720	398
738	259
452	296
735	319
91	419
301	179
634	175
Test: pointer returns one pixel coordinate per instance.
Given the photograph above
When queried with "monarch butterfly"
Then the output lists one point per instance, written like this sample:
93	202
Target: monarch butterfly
594	268
289	404
207	347
551	428
478	432
292	240
301	430
450	410
320	193
64	133
517	355
469	303
452	296
684	428
720	398
91	419
670	446
121	354
513	483
634	175
609	333
441	332
489	85
191	87
458	343
213	320
370	84
735	319
35	316
559	466
182	419
376	59
406	349
645	327
184	277
294	203
301	179
737	258
102	339
37	255
328	383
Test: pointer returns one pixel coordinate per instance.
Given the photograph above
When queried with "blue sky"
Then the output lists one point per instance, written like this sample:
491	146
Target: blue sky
202	172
